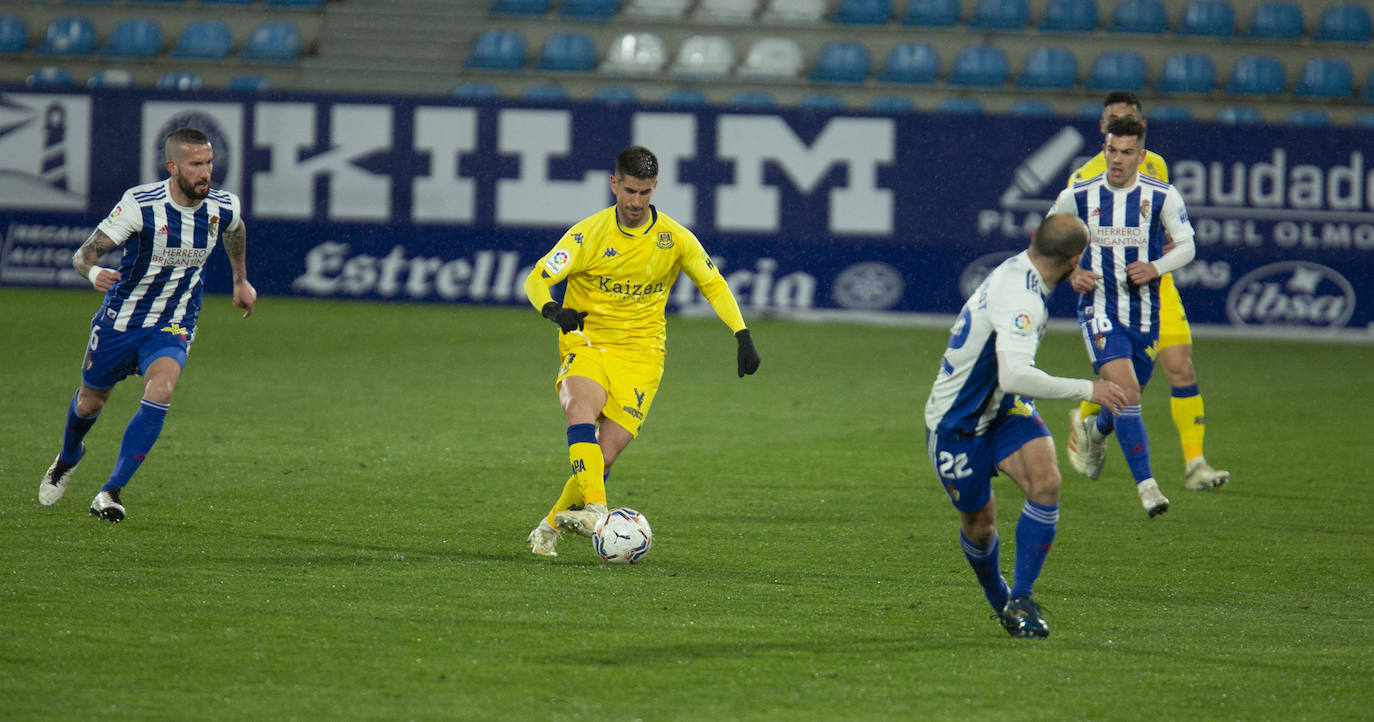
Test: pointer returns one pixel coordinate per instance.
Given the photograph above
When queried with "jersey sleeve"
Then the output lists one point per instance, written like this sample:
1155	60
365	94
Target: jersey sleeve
1064	203
1017	319
1175	219
124	220
561	260
235	208
696	263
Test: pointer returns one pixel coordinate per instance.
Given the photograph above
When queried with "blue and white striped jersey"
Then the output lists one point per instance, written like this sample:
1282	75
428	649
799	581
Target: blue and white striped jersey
1126	225
165	248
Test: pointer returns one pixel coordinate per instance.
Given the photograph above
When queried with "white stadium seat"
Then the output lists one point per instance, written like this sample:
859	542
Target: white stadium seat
704	57
773	58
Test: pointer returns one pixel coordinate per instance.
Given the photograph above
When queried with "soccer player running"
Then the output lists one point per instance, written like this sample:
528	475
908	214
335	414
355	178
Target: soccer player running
619	266
1175	337
981	417
148	319
1127	214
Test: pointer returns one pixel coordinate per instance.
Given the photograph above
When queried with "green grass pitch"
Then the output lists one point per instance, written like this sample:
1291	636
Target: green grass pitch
332	526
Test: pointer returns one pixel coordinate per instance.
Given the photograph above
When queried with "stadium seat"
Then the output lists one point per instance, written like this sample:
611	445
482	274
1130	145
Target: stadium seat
932	13
180	81
1139	16
1343	23
665	10
704	57
1308	118
616	95
273	40
1089	111
228	2
111	78
249	84
1367	95
292	3
752	99
842	61
635	54
49	77
1215	18
205	39
959	106
793	11
475	90
822	101
1236	115
14	34
773	57
1276	21
892	104
68	35
1117	70
1325	78
567	51
1049	68
498	49
1030	108
1187	73
915	63
862	12
519	7
545	93
980	65
589	10
685	97
1069	16
1364	120
1258	75
726	11
1000	15
1170	114
133	38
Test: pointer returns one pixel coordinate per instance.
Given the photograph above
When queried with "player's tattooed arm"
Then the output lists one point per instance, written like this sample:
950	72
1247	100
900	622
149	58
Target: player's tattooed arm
85	257
235	245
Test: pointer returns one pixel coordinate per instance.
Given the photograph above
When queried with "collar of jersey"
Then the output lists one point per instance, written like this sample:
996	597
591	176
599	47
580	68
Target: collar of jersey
174	204
653	218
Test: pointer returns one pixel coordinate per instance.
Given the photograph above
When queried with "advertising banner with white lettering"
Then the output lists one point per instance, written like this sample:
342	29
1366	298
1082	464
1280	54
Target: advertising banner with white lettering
888	217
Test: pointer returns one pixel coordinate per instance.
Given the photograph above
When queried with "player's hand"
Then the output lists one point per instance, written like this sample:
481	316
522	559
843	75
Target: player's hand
1108	395
245	296
1083	281
567	319
748	356
1141	273
103	279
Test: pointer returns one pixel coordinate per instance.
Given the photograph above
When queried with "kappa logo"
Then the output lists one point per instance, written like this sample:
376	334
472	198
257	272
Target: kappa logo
610	253
639	398
577	238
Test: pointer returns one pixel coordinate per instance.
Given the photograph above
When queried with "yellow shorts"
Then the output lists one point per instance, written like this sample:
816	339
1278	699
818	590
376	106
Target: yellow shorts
630	380
1173	322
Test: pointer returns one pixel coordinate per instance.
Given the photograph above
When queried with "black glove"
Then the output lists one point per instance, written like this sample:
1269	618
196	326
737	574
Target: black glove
748	355
567	319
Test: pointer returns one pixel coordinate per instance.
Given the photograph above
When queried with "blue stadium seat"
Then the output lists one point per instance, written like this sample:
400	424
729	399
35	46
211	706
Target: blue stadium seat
915	63
49	77
475	90
1117	70
249	84
273	40
1030	108
616	95
842	61
1325	78
896	104
295	3
498	49
1308	118
1236	115
133	38
1343	23
1070	16
568	52
111	78
1139	16
68	35
1049	68
685	97
862	12
1276	21
959	106
1215	18
206	40
519	7
822	101
1089	111
980	65
589	10
545	93
1258	75
1364	120
1170	114
14	34
932	13
1187	73
752	99
188	82
1000	15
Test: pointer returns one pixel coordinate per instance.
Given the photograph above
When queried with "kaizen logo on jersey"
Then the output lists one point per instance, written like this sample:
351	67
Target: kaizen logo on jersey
557	261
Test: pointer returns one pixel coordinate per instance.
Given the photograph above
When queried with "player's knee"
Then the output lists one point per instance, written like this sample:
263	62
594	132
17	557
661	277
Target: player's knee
89	400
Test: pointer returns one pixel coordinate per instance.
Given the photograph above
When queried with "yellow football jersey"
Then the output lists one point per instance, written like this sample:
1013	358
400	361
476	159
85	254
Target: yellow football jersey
622	279
1153	166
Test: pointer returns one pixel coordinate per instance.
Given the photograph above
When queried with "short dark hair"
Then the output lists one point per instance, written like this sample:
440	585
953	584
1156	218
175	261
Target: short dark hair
636	162
183	136
1126	127
1121	96
1060	237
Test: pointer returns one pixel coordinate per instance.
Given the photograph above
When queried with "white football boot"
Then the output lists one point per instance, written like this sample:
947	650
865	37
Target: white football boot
106	506
583	522
55	479
1152	498
1200	475
1077	451
1094	446
544	539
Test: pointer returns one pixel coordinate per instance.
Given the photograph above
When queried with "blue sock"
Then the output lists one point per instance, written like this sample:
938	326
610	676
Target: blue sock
139	437
1105	422
1135	444
1034	536
985	565
77	426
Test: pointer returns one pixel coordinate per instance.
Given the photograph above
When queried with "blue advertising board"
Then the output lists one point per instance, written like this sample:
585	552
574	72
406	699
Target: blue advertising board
808	214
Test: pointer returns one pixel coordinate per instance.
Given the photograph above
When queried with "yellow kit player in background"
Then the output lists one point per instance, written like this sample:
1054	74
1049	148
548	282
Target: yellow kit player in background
1175	337
619	265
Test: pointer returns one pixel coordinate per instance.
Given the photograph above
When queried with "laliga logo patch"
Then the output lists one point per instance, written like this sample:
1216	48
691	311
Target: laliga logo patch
557	261
1021	322
117	210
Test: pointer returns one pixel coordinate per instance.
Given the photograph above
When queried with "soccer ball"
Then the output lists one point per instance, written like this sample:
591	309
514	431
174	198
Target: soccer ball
622	536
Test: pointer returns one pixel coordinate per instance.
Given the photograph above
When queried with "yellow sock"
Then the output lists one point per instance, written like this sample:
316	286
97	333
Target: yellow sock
1185	404
589	469
1088	408
571	497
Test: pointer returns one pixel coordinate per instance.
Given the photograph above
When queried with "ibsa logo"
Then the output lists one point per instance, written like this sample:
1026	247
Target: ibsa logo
1291	293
